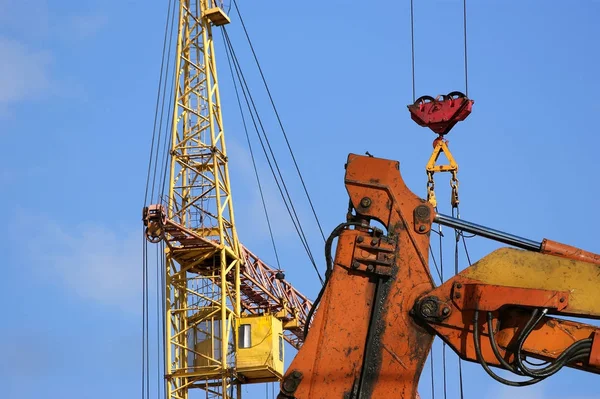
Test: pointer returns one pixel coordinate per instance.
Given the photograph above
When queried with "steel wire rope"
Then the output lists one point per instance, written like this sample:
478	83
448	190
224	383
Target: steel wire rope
158	95
435	263
457	235
432	375
153	165
163	274
170	108
244	84
247	96
249	100
160	131
145	386
159	313
262	198
465	39
412	47
278	118
441	236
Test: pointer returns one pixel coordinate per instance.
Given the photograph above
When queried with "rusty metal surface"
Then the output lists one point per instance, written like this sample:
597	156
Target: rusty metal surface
260	290
547	341
566	251
362	344
510	267
489	297
263	292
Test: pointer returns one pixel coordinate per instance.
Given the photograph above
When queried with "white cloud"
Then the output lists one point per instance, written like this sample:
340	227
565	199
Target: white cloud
93	263
24	72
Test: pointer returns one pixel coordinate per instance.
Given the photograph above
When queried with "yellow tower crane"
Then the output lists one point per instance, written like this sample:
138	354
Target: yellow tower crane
227	313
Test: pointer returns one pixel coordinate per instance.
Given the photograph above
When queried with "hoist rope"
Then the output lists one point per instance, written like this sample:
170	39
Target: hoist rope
170	107
432	375
279	119
161	93
412	47
465	38
253	110
435	264
262	198
441	236
458	234
160	317
152	194
145	327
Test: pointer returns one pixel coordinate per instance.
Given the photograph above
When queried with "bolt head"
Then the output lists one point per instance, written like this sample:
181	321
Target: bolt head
374	241
457	295
370	268
296	374
360	238
459	285
355	265
422	211
422	228
445	311
429	308
365	202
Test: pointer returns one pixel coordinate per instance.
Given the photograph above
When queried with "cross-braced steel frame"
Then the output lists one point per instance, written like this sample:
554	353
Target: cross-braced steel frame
201	305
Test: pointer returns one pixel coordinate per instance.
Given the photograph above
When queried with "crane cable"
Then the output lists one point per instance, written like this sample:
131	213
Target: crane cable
458	234
160	99
279	119
152	194
257	121
412	47
262	197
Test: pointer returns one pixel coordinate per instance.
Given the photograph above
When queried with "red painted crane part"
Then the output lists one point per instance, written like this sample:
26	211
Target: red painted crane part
440	114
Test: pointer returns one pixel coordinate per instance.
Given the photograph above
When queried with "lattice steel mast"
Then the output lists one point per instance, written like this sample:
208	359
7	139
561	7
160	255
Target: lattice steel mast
201	309
213	284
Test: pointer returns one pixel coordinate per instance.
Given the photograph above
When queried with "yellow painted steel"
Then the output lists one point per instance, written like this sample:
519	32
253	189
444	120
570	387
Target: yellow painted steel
440	147
260	348
202	283
525	269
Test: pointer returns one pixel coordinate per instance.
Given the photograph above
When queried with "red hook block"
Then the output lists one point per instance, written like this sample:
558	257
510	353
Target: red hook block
441	114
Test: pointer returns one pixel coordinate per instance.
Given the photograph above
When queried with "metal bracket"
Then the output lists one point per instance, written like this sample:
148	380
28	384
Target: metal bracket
373	255
490	298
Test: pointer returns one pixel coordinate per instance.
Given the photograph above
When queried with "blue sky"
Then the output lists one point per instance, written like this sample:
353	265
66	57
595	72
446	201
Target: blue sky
77	91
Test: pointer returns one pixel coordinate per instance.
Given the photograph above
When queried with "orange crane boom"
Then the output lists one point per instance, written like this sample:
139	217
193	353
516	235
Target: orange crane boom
379	310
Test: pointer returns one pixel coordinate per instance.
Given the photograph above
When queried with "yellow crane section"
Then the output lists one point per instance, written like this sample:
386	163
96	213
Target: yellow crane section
201	309
227	314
